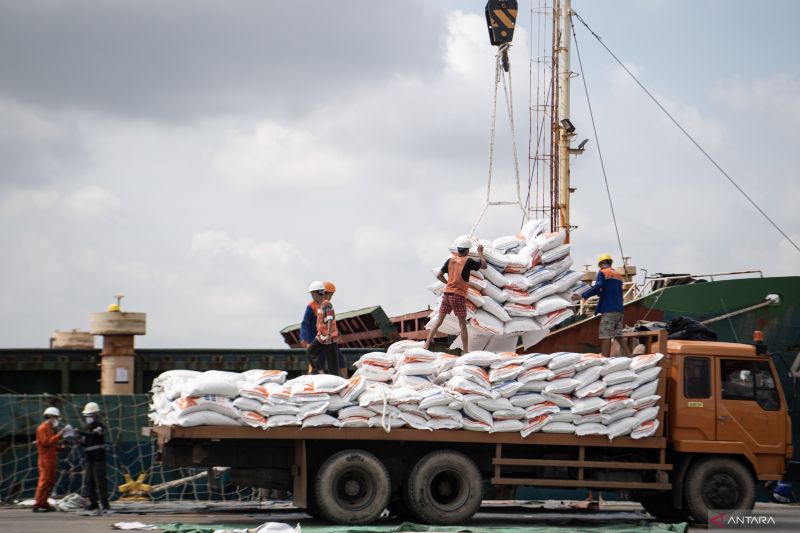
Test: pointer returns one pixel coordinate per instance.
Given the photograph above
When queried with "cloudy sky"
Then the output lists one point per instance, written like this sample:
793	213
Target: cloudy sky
209	158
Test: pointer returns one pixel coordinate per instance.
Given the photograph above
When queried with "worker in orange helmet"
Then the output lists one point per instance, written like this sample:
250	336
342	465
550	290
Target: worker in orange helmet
330	290
322	352
47	448
454	299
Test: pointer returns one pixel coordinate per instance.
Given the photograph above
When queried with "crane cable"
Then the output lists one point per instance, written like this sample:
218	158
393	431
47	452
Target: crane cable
597	141
500	77
688	136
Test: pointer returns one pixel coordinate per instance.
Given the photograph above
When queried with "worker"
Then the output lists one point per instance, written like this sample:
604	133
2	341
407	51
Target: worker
47	448
608	286
330	290
94	446
322	354
458	268
308	327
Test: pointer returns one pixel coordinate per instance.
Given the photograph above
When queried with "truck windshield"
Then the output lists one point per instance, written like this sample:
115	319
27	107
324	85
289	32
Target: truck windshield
749	380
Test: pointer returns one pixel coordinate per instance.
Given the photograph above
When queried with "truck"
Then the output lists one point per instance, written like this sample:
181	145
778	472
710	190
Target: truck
723	428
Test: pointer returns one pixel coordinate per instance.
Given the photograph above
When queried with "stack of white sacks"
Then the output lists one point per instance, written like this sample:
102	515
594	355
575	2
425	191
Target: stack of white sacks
408	386
525	290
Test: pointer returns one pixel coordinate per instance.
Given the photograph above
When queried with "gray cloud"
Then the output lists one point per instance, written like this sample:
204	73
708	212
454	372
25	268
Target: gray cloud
190	58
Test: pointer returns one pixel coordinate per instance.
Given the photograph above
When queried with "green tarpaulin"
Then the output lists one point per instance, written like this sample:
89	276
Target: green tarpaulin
570	525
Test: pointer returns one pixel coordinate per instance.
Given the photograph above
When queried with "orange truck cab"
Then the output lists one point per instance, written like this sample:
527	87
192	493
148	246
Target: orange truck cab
728	427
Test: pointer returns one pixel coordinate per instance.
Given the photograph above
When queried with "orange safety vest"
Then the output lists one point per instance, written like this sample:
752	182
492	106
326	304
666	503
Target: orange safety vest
455	283
326	321
610	273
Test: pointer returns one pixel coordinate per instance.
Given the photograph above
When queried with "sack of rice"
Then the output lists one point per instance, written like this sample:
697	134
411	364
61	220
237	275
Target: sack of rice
475	425
589	360
259	377
647	401
559	427
647	429
317	421
535	424
507	426
620	428
646	376
591	429
642	362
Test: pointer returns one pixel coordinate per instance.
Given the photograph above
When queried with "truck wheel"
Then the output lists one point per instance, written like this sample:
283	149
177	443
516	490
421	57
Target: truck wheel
718	483
352	487
444	487
660	507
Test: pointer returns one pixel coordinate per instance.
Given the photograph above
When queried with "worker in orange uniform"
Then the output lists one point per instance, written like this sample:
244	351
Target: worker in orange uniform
608	286
330	290
308	327
322	352
458	268
47	448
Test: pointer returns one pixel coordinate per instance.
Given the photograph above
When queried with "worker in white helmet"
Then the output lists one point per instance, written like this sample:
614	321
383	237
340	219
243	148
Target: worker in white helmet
457	268
308	327
94	447
323	353
47	448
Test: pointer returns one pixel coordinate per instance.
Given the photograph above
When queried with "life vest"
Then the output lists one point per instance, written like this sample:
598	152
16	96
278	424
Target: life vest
455	283
325	315
610	273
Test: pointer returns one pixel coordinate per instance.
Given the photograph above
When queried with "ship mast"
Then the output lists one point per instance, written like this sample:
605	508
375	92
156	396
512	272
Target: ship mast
562	129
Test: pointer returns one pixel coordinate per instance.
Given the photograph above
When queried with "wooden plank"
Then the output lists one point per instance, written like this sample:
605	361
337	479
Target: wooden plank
300	485
588	464
404	434
498	456
589	484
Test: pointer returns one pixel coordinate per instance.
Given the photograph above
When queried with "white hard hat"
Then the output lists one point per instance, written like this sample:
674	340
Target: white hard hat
90	409
316	286
463	242
52	411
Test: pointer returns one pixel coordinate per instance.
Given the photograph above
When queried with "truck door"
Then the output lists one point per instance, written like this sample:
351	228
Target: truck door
749	408
695	409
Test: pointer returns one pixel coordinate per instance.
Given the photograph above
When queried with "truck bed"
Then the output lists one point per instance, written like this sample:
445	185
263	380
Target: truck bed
164	434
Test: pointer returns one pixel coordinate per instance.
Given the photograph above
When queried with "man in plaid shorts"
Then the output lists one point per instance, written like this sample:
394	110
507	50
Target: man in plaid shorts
454	299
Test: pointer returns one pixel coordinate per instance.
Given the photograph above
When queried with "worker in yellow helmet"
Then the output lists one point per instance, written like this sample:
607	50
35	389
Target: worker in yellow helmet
608	286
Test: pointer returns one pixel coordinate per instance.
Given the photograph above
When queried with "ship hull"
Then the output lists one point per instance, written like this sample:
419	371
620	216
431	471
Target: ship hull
703	301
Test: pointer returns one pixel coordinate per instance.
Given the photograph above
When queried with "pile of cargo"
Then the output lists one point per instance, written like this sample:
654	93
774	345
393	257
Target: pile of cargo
408	386
525	290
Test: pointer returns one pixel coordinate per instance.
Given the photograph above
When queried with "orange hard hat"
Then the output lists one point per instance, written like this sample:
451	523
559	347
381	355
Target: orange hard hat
329	287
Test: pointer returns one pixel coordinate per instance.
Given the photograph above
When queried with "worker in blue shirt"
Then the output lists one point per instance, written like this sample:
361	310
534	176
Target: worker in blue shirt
308	327
608	287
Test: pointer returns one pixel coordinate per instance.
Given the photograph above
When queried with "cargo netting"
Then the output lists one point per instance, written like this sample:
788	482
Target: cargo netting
128	452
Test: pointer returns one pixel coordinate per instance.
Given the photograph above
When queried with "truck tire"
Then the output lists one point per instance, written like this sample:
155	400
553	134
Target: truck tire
718	483
352	487
444	487
660	507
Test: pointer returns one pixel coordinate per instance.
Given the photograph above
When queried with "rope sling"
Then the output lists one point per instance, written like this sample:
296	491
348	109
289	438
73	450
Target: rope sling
503	77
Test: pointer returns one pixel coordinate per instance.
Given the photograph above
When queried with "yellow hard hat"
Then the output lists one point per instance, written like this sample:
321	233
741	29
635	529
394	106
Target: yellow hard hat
604	257
113	308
